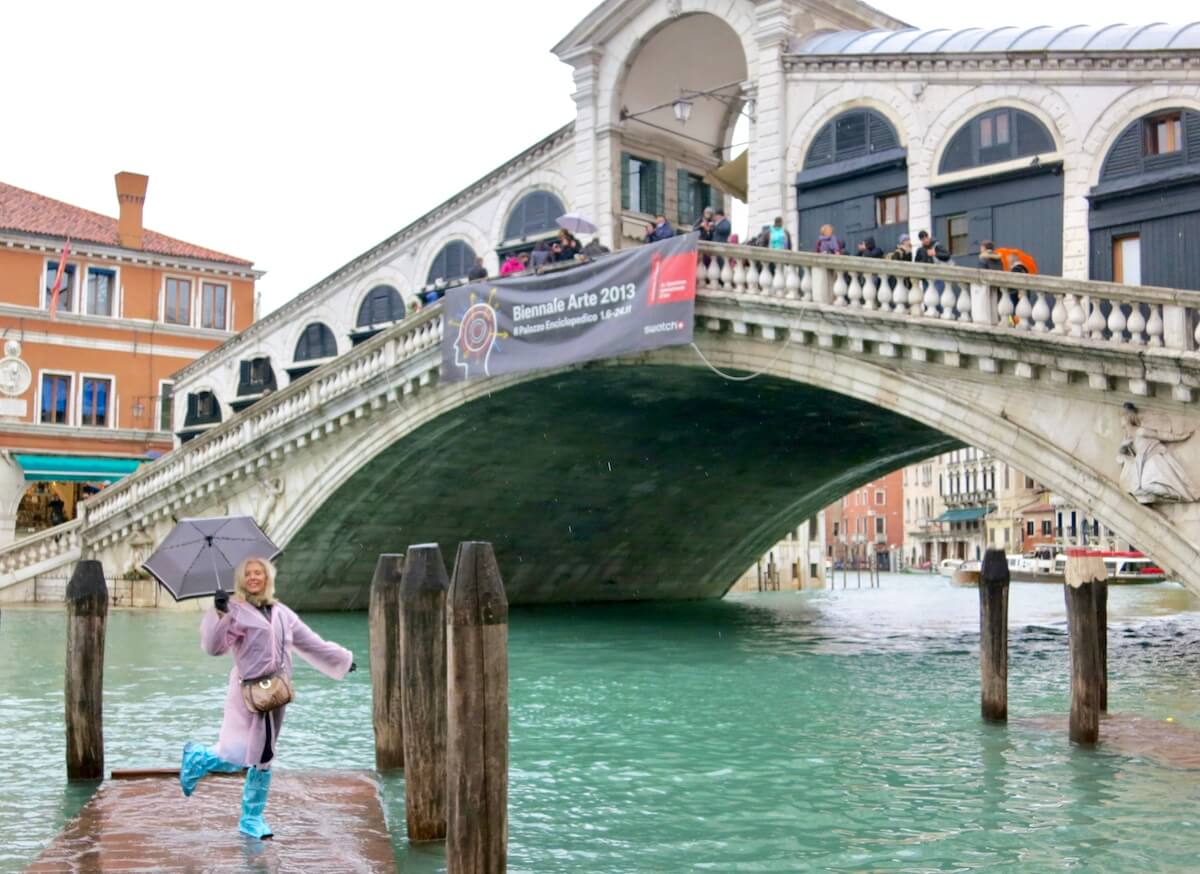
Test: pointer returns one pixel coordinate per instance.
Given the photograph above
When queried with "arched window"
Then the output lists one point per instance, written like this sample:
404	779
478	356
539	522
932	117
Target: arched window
1159	141
316	341
381	305
996	135
203	408
453	262
534	214
853	134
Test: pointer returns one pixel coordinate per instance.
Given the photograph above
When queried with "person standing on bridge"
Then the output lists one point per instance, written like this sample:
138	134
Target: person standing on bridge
262	634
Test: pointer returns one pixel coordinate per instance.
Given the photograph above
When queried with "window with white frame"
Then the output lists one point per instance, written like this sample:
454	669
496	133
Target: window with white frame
56	399
95	402
880	497
214	298
177	301
101	291
880	528
66	287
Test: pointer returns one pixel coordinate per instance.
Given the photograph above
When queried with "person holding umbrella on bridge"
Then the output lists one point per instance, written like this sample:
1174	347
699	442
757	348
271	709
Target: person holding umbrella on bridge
261	633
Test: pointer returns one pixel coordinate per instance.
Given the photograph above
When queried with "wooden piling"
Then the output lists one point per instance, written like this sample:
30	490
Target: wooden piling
1082	574
87	618
477	723
383	625
1100	594
993	636
423	674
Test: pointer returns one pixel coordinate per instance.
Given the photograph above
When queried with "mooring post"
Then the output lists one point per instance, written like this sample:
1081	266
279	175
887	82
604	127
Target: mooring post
87	617
383	624
993	636
477	714
423	674
1100	593
1083	573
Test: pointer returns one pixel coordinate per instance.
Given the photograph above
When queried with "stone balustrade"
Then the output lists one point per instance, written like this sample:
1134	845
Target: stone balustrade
46	548
1097	311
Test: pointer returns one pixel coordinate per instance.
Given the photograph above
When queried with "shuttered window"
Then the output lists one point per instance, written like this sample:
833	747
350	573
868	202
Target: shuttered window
382	305
642	185
851	135
453	262
534	214
1161	141
996	135
694	196
317	341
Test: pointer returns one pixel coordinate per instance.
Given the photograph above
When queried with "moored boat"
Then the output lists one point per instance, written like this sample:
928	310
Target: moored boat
966	574
1124	568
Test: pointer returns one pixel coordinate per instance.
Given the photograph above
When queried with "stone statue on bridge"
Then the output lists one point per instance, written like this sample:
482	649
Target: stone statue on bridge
1149	470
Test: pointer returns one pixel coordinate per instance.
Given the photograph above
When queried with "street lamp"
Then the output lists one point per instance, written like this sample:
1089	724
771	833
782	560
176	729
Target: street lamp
682	109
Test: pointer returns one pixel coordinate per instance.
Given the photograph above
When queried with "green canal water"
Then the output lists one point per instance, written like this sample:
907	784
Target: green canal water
824	731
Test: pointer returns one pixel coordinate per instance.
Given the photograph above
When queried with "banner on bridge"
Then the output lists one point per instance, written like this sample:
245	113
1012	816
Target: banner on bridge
628	301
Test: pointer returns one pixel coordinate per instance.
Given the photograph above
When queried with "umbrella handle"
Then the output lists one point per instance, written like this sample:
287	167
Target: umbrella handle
217	574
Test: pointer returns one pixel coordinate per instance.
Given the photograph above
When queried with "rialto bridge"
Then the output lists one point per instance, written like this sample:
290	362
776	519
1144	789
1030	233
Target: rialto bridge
664	475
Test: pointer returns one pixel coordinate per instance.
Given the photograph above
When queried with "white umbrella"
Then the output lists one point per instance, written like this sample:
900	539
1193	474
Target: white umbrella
576	224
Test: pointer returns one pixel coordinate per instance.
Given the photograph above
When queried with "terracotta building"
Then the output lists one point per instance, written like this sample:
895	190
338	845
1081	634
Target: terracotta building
867	525
85	391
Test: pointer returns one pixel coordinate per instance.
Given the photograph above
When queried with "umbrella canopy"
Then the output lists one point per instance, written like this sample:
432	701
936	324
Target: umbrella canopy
575	223
199	555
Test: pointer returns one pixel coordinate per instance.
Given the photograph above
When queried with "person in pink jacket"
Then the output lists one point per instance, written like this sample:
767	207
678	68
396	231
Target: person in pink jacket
262	634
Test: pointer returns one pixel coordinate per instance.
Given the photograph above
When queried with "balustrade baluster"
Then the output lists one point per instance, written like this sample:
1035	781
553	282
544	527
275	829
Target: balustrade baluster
1154	327
884	292
764	278
1116	322
739	275
701	272
1075	315
1196	333
751	278
948	301
1005	309
792	282
1024	311
854	290
1041	312
914	294
806	290
868	290
964	302
839	289
726	276
713	273
931	299
778	284
1058	315
1095	323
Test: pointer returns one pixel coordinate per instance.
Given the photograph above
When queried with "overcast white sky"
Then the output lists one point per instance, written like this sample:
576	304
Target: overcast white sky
300	134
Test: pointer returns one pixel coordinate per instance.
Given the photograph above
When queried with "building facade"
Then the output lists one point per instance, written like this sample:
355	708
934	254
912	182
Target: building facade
1080	146
866	527
88	373
795	562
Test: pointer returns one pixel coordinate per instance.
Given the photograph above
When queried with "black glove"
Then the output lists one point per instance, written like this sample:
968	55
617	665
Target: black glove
353	667
221	600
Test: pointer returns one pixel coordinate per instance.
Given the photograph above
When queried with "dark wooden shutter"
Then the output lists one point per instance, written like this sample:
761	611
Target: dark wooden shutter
1191	136
881	133
625	180
1125	156
959	153
683	190
658	198
979	228
821	150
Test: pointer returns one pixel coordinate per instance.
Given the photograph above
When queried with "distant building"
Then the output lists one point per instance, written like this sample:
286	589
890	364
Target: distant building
867	525
795	562
85	394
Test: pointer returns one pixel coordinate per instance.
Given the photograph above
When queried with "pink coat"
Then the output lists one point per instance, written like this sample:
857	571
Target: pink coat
260	649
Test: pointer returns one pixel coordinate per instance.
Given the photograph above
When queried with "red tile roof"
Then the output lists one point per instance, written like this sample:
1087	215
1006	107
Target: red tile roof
30	213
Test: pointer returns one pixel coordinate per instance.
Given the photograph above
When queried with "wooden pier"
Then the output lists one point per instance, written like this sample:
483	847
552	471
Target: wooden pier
323	821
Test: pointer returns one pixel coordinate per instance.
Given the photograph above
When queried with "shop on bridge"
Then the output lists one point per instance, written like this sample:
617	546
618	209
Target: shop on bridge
1144	220
1017	206
57	483
855	177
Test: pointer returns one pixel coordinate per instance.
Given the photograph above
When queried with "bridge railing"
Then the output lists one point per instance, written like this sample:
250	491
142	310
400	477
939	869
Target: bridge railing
1116	314
297	401
43	548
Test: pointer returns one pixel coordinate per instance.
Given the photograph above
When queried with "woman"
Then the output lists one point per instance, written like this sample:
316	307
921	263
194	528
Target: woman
568	246
828	243
262	633
512	264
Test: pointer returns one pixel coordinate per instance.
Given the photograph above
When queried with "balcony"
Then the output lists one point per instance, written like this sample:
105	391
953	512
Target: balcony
966	499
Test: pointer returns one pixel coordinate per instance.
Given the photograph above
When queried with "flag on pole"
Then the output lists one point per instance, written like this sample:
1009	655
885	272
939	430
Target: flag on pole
58	277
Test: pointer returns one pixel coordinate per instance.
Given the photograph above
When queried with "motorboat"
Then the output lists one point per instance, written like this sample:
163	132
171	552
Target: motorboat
948	566
1124	568
966	574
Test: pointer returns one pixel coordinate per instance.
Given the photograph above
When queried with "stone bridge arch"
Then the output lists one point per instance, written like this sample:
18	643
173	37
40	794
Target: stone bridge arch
500	460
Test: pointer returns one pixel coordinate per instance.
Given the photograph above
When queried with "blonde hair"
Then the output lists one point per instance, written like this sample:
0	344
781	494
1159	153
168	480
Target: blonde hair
239	582
827	230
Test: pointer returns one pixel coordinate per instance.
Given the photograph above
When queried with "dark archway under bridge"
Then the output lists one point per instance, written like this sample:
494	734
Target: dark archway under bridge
604	483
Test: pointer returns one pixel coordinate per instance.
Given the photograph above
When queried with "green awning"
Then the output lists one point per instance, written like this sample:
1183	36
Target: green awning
965	515
76	468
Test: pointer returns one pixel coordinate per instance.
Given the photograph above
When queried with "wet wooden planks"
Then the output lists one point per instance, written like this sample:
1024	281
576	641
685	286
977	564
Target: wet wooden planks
323	821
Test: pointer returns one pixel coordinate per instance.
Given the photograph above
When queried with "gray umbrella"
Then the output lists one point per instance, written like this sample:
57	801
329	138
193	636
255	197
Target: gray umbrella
199	555
575	223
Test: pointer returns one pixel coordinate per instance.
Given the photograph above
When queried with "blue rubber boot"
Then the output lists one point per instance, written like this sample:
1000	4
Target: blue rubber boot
254	801
199	760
